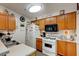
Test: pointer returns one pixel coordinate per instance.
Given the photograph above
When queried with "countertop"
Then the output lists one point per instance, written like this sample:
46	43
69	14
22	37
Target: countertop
59	39
68	40
3	48
20	50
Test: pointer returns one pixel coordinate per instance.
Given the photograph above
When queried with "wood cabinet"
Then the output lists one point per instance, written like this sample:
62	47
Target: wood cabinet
65	48
67	21
39	44
2	22
7	22
71	49
61	22
42	24
61	48
71	20
12	23
50	20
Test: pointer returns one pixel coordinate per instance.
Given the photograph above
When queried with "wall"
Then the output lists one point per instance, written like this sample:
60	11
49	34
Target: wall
68	7
19	33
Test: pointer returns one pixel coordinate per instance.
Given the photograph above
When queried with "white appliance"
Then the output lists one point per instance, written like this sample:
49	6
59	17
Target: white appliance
49	46
32	33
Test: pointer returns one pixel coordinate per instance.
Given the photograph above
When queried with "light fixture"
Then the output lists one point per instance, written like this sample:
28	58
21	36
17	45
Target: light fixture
33	8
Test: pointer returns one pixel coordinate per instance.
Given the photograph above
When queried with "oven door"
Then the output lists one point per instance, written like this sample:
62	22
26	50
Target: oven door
47	45
50	46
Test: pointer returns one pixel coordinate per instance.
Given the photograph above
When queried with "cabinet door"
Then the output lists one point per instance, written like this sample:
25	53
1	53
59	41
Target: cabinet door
34	22
2	22
51	20
61	48
42	24
37	22
71	20
12	23
39	44
60	22
71	49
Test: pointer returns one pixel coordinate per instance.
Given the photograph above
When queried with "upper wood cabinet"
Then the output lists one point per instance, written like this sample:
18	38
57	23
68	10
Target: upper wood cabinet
2	22
12	23
7	22
50	20
42	24
71	20
67	21
61	22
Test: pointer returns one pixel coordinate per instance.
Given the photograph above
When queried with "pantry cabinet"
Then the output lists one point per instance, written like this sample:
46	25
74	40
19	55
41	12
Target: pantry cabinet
7	22
65	48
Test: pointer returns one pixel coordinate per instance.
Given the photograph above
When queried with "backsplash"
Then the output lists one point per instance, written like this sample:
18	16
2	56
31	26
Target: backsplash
63	34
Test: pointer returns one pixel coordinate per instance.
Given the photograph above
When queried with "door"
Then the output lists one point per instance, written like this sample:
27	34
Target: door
71	49
31	36
61	48
42	24
50	20
28	39
71	21
53	20
12	23
2	21
39	44
60	22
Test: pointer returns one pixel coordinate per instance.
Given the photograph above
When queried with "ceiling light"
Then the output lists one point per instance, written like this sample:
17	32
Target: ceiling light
35	8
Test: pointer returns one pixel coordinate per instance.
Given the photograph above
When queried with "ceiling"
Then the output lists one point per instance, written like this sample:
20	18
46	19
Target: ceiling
48	8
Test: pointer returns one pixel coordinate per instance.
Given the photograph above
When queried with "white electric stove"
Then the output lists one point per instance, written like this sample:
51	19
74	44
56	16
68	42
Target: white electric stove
49	46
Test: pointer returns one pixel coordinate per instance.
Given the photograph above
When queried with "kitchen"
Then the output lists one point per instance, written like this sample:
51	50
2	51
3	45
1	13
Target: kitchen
53	31
56	40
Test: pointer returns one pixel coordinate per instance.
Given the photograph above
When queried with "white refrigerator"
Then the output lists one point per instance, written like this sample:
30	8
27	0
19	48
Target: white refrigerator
32	33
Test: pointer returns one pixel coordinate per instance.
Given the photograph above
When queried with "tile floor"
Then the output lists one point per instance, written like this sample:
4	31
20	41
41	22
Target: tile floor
40	54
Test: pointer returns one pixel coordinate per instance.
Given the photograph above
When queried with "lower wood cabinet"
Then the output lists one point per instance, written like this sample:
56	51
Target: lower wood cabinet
71	49
39	44
61	48
65	48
